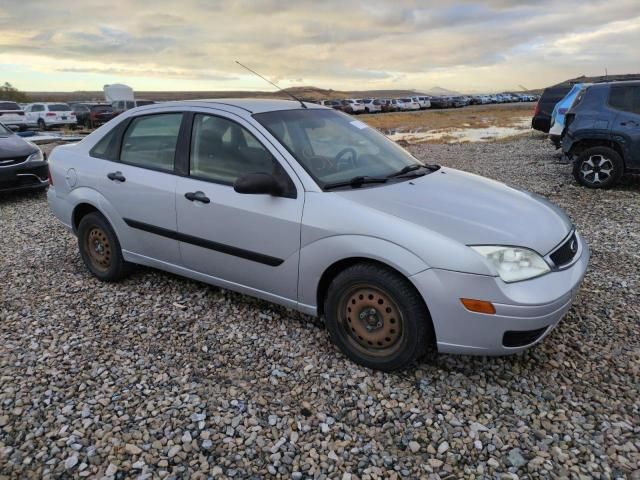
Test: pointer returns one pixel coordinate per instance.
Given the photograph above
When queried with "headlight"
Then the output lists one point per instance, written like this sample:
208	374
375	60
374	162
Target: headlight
36	156
514	263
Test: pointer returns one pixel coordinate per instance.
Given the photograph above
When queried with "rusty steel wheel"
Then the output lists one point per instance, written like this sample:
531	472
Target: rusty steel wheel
372	320
98	248
377	317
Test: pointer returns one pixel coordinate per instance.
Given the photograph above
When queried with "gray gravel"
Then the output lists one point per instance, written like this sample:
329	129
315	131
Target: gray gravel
159	376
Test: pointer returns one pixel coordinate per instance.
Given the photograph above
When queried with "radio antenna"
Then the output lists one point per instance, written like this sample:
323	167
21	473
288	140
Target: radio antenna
271	83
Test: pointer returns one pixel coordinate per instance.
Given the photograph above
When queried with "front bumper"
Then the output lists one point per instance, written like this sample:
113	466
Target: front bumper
525	311
24	176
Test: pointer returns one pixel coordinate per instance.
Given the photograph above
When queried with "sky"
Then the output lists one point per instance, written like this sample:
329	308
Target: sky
185	45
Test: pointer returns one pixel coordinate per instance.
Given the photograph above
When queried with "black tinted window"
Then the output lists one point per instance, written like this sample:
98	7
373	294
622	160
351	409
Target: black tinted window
626	98
102	109
9	106
59	107
222	151
151	141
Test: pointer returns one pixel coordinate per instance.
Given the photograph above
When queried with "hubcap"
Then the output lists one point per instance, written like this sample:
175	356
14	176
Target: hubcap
597	169
98	248
371	320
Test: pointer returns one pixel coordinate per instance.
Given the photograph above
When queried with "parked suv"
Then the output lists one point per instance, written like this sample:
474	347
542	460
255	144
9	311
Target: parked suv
308	208
602	133
542	113
48	115
12	115
92	115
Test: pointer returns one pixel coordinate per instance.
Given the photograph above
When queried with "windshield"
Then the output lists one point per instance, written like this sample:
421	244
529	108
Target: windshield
333	147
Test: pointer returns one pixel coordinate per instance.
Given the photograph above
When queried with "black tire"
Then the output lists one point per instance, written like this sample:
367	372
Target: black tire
598	167
41	125
105	261
392	343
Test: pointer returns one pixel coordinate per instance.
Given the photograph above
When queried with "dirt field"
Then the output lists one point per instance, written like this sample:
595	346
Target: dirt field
474	116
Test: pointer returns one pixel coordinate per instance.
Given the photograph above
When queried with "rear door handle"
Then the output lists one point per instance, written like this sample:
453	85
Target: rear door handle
197	197
116	176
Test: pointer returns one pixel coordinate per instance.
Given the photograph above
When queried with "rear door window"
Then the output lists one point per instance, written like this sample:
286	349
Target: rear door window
625	98
150	141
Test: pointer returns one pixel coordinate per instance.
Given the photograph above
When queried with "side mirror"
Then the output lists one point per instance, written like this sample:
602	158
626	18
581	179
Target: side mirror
258	183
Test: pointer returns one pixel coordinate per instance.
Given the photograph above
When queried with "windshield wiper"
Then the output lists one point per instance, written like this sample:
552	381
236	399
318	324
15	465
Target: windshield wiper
412	168
355	182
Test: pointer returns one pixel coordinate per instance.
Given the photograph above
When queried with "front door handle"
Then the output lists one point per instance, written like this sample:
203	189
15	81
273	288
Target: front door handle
197	197
116	176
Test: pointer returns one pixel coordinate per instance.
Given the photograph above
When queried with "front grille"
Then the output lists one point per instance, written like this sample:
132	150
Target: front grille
566	252
10	162
514	338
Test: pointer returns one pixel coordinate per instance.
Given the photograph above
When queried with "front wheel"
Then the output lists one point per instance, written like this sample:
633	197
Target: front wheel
598	167
377	318
100	248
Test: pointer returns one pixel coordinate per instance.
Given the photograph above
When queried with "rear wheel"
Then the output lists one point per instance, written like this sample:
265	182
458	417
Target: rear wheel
376	317
598	167
41	125
100	248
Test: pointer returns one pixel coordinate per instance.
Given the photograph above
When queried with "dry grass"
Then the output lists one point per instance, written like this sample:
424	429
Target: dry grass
476	116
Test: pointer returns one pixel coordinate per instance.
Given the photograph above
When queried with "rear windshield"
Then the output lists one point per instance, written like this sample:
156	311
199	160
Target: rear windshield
9	106
405	99
102	109
59	107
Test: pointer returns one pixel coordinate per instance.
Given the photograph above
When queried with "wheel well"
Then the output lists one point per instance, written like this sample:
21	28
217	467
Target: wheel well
339	266
582	145
80	211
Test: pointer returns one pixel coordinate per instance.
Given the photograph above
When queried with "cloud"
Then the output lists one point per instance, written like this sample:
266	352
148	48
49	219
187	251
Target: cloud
342	44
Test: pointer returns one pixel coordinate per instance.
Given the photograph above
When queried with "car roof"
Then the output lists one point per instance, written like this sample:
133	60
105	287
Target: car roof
251	105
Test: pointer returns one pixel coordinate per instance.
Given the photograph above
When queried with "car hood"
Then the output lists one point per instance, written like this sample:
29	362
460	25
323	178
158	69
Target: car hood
14	146
470	209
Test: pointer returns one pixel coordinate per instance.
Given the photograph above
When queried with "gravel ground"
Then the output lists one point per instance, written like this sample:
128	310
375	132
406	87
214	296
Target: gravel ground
159	376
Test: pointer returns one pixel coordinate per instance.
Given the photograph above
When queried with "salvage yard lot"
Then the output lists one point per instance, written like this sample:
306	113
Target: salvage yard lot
167	376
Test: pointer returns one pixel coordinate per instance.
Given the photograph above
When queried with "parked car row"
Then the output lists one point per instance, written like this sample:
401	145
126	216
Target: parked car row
46	115
381	105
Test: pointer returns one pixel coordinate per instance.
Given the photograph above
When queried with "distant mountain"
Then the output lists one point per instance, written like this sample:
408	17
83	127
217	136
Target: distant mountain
439	91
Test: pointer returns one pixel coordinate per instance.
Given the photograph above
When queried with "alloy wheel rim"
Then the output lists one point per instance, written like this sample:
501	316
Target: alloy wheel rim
99	249
371	320
596	169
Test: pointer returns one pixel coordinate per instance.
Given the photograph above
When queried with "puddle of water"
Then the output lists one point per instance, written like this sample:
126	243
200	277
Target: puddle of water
458	135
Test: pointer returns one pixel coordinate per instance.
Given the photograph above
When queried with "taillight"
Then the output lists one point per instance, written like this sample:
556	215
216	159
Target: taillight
51	114
536	110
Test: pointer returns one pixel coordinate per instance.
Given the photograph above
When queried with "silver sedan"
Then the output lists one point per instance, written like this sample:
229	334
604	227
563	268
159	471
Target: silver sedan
306	207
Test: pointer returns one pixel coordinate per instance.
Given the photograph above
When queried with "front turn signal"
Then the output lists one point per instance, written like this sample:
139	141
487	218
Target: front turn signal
478	306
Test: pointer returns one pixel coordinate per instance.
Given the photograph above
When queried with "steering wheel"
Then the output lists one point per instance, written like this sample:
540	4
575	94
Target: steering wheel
321	165
342	153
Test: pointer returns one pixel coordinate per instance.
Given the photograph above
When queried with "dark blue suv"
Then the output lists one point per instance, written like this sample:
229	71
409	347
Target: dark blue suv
602	133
